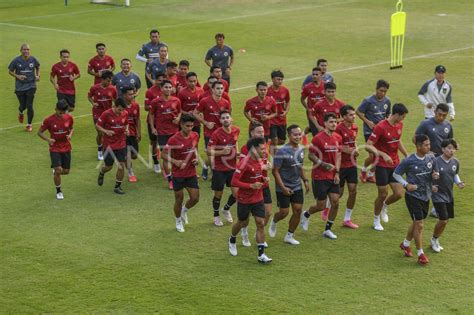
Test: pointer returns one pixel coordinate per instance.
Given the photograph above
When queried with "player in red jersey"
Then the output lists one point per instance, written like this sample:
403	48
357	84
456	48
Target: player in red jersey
190	96
325	153
181	153
60	127
347	129
134	130
208	113
171	74
101	96
256	131
63	74
249	180
281	95
328	104
208	89
164	117
113	124
216	71
261	108
222	152
311	94
99	63
182	80
385	142
151	94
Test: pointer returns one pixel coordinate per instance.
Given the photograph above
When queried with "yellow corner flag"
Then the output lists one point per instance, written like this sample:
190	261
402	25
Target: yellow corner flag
397	36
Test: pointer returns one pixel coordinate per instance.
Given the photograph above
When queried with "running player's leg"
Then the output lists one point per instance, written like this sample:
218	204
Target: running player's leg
178	204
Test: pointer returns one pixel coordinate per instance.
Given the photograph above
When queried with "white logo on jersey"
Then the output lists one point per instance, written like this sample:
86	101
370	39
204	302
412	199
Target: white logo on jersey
446	130
454	168
226	54
31	65
429	165
385	106
132	81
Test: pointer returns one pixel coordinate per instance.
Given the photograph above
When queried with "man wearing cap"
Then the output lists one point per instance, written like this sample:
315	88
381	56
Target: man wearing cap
436	91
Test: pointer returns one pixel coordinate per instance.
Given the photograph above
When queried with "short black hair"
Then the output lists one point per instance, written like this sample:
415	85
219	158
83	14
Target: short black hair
219	35
255	142
127	88
160	74
320	61
186	118
254	124
330	86
107	74
154	31
62	105
316	69
291	127
218	82
120	102
442	107
211	77
382	83
277	74
419	139
211	69
329	116
171	64
261	83
447	142
99	45
125	59
191	74
399	109
224	111
184	63
345	109
63	51
162	84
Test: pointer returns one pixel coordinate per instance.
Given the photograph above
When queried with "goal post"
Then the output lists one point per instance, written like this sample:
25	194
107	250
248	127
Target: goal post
125	3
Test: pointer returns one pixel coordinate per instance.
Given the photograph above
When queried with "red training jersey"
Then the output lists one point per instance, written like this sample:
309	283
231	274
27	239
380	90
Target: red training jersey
190	100
103	96
184	149
248	171
281	97
313	93
117	123
62	74
165	111
259	108
349	136
244	151
59	127
386	138
323	107
211	111
133	117
98	65
224	83
325	147
221	139
182	83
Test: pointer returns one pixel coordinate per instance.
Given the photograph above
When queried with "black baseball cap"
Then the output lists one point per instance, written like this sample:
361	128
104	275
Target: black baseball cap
440	68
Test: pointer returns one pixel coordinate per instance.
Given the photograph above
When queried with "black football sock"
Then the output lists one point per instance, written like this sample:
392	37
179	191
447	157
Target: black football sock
58	189
169	178
216	203
230	202
232	239
261	249
117	184
99	148
155	159
328	225
307	214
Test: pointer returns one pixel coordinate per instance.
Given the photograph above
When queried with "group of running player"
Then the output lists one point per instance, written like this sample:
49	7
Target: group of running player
177	106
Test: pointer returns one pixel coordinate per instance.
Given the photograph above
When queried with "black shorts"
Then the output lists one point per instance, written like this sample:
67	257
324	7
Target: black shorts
312	128
348	175
384	176
197	129
257	210
179	183
206	141
70	99
221	179
322	188
417	208
284	201
444	210
111	155
61	159
163	140
366	136
132	145
278	131
267	195
151	136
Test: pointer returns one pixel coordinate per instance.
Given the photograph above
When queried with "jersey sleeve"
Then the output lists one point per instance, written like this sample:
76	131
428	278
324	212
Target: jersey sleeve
421	128
236	182
91	91
376	134
138	84
114	80
402	168
11	66
424	88
247	106
363	106
101	120
76	70
44	125
287	96
209	54
53	71
449	99
142	51
305	91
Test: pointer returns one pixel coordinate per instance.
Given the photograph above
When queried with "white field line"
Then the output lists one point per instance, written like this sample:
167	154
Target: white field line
301	77
234	17
47	29
59	14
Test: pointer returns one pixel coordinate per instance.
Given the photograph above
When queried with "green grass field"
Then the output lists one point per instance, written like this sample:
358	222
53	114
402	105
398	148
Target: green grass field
96	252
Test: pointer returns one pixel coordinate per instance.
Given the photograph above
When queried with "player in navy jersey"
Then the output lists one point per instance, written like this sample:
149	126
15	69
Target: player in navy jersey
126	78
221	55
418	168
150	51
